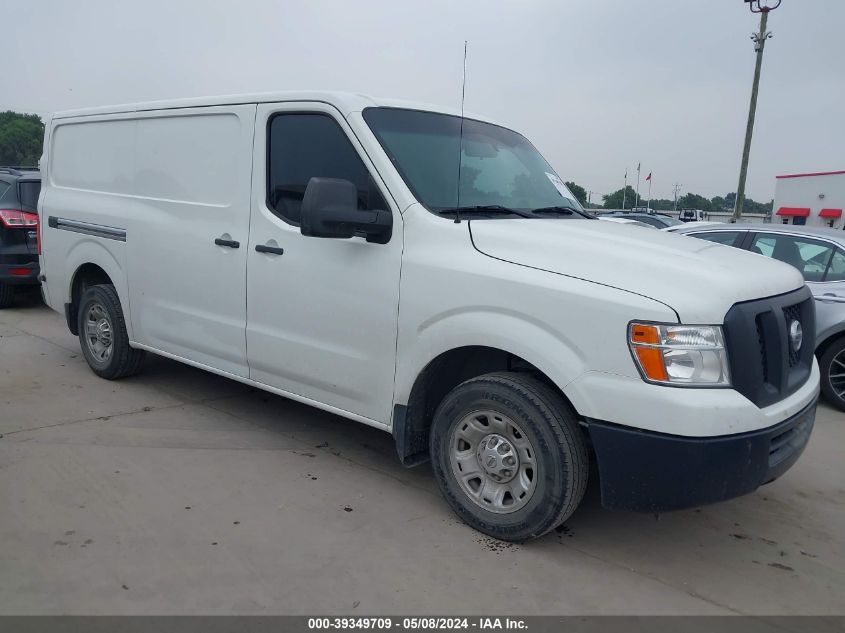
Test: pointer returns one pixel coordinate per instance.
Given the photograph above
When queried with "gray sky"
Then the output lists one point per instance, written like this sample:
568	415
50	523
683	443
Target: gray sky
596	85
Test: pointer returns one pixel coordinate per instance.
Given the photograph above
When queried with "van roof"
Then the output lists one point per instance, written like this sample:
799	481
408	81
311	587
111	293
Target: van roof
345	102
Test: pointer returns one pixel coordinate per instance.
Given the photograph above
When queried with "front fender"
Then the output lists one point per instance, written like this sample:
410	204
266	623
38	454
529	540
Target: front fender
521	335
453	296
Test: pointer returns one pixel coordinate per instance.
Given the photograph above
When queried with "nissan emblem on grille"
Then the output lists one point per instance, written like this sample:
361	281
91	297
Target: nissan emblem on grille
796	335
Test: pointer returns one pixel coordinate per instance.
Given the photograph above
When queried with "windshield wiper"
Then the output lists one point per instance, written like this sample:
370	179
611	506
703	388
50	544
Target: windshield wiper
561	209
485	209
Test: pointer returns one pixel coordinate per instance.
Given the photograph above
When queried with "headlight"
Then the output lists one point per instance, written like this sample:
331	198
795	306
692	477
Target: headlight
680	354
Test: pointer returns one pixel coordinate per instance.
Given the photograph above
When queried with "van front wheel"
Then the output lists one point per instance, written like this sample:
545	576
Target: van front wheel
103	336
509	456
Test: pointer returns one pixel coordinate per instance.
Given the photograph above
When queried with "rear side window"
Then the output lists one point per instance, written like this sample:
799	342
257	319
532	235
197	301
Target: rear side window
808	256
307	145
728	238
28	191
4	189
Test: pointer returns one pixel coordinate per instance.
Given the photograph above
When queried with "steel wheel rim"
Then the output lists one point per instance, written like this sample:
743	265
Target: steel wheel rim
99	336
836	375
493	461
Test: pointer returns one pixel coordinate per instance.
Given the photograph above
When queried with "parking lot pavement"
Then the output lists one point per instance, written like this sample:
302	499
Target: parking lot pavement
178	491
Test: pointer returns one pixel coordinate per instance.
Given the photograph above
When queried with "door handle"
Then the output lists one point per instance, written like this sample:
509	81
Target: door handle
272	250
228	243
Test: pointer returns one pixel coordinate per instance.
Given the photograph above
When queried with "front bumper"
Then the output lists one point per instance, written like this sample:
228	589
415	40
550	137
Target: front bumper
690	412
19	274
654	472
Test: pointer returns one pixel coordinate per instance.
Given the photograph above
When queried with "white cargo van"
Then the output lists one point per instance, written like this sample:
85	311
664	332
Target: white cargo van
433	277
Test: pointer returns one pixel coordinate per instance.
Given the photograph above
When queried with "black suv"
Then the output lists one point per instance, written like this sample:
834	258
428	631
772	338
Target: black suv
19	189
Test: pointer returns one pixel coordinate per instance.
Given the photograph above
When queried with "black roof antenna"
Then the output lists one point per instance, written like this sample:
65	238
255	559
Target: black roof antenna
461	136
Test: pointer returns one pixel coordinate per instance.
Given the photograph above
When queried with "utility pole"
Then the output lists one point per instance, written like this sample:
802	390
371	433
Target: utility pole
625	189
759	38
677	189
637	203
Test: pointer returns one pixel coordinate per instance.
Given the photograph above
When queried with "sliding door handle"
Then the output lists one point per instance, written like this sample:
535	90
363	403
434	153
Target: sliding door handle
272	250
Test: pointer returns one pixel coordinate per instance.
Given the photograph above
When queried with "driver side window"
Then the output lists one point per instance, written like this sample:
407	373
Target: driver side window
307	145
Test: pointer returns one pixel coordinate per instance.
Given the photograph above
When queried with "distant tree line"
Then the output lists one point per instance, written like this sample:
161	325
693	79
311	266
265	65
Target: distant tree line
21	138
687	201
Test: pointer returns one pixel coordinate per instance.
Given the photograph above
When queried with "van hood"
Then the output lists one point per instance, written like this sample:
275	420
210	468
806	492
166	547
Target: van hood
699	280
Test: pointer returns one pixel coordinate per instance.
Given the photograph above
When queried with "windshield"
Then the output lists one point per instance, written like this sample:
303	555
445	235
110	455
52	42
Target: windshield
498	167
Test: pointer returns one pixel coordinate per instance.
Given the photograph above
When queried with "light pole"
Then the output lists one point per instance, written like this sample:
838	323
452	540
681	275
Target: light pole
759	38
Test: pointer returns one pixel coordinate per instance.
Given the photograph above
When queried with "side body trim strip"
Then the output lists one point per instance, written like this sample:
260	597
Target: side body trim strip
87	228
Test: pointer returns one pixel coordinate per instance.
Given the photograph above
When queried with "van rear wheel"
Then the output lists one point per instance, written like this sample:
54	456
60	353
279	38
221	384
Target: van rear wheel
103	336
509	456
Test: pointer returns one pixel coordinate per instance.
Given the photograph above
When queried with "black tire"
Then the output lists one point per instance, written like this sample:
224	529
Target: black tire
122	360
830	364
7	295
549	424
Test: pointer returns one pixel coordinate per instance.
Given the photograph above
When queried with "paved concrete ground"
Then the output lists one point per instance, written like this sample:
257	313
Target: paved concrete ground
181	492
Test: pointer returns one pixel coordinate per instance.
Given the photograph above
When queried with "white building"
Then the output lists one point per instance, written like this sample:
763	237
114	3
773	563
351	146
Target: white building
814	199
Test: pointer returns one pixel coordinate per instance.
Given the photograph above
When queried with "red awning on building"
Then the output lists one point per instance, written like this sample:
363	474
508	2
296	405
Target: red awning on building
830	213
817	173
800	212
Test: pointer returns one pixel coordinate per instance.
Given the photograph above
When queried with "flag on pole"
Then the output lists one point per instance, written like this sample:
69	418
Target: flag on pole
648	177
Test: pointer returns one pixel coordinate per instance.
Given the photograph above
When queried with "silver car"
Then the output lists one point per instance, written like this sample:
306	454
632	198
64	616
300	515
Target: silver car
819	253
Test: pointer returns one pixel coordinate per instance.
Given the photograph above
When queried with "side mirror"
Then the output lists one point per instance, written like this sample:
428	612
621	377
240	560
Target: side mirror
330	209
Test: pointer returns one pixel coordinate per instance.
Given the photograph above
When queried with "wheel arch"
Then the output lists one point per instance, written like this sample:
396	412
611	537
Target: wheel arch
830	339
412	421
91	264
